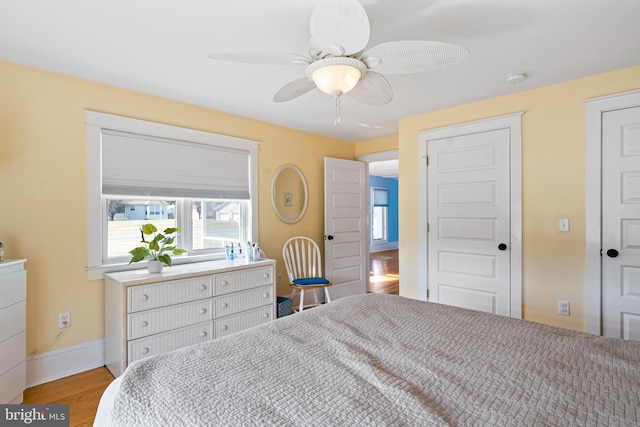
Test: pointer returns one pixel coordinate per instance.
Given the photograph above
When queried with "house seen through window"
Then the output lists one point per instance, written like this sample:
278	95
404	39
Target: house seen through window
212	223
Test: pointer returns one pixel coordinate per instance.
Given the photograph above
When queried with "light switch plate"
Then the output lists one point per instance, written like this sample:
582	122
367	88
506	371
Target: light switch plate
563	225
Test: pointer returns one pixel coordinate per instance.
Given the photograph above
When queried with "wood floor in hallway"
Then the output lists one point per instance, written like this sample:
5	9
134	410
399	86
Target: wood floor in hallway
384	272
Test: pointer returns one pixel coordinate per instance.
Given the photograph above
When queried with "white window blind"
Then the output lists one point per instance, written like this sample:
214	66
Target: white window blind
380	197
141	165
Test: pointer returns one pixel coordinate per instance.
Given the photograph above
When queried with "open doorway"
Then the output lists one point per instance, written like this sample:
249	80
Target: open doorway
383	220
384	272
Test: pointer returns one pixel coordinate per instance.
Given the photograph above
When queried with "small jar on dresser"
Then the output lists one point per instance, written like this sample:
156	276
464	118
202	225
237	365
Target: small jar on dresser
13	326
147	314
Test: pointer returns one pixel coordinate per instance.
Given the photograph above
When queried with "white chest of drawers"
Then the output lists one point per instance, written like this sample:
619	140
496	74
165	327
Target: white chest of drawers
13	325
147	314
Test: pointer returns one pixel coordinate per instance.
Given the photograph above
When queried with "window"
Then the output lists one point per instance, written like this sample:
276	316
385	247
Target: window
142	172
379	215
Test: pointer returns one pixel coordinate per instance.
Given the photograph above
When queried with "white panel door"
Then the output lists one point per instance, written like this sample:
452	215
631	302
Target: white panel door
345	226
621	223
469	221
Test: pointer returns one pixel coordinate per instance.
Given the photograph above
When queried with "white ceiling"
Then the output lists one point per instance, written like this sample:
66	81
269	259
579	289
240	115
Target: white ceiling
159	47
385	168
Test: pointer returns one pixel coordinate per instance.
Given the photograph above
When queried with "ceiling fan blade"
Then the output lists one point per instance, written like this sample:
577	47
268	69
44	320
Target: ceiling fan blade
270	58
413	56
342	23
294	89
372	89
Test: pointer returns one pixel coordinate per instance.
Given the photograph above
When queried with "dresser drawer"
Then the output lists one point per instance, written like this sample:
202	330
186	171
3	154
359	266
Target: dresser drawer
244	279
12	351
13	320
151	322
145	347
238	322
144	297
13	289
241	301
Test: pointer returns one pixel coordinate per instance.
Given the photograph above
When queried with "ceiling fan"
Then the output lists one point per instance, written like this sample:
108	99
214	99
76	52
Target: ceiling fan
338	64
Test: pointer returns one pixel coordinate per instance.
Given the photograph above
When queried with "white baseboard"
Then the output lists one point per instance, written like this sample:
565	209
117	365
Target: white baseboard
383	247
56	364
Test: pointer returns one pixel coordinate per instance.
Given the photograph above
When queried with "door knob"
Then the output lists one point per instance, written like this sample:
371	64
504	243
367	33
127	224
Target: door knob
612	253
502	246
329	237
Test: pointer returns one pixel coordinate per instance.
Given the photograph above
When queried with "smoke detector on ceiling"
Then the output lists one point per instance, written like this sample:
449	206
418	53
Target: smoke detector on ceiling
515	78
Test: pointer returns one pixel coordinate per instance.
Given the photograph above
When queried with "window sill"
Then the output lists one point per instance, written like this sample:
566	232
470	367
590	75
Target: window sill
98	272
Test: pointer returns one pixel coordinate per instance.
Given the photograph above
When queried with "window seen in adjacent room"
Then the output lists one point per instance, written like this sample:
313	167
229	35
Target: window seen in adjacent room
379	214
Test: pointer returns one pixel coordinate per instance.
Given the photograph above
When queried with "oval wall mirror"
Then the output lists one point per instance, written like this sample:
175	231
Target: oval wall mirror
289	193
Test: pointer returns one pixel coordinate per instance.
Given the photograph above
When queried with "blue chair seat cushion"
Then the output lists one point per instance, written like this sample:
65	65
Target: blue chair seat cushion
310	281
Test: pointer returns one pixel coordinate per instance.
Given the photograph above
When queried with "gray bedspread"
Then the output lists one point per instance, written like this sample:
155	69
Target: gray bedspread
383	360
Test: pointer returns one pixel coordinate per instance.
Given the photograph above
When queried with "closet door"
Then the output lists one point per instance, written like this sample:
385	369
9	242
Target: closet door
469	221
621	223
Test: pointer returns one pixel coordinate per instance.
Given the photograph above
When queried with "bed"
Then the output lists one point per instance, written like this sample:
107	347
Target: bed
384	360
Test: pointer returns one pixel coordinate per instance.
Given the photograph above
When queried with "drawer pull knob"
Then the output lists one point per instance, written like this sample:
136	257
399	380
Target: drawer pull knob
203	334
266	315
266	295
203	310
144	323
225	305
203	288
145	297
225	327
266	275
145	350
225	283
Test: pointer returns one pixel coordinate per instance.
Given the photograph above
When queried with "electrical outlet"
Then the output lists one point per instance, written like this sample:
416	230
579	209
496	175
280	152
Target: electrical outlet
563	308
64	320
279	278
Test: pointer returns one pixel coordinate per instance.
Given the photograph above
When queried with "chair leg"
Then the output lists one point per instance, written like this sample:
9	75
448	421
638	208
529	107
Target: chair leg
326	295
301	301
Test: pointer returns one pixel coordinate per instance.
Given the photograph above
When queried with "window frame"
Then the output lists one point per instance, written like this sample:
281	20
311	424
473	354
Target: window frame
385	213
96	122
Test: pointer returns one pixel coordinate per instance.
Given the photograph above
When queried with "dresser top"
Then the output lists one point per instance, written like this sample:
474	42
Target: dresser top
140	277
11	265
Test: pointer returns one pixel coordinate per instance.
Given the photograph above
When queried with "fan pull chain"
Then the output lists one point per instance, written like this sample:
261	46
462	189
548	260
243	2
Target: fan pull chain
338	119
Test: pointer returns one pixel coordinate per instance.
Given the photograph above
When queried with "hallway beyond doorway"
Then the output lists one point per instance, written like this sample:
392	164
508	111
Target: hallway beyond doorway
384	272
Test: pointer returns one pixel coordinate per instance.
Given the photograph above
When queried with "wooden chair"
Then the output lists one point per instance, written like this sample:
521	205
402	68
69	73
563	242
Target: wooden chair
303	262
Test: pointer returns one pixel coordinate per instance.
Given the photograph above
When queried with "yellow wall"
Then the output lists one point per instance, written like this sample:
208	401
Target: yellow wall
388	143
553	163
43	208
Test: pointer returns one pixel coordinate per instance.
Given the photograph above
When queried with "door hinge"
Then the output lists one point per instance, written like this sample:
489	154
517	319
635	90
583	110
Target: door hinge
427	293
426	160
428	228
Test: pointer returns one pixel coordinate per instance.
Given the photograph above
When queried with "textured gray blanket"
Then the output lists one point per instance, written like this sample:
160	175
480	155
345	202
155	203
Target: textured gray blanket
382	360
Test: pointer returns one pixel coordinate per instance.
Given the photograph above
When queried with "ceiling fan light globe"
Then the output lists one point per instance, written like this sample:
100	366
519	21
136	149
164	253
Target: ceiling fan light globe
336	79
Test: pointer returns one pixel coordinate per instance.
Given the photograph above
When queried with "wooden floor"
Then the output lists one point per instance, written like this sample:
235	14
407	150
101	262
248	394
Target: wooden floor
82	391
384	272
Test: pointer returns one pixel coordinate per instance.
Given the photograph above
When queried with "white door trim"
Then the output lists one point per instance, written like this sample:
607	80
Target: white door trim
379	156
593	268
513	122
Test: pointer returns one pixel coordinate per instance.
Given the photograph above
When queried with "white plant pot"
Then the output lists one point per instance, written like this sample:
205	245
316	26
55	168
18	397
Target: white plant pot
154	266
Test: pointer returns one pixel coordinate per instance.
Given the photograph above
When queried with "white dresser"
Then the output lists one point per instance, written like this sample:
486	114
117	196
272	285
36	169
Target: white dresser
13	326
147	314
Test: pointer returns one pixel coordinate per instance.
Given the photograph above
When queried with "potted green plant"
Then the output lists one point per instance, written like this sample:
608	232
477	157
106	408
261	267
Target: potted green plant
156	247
